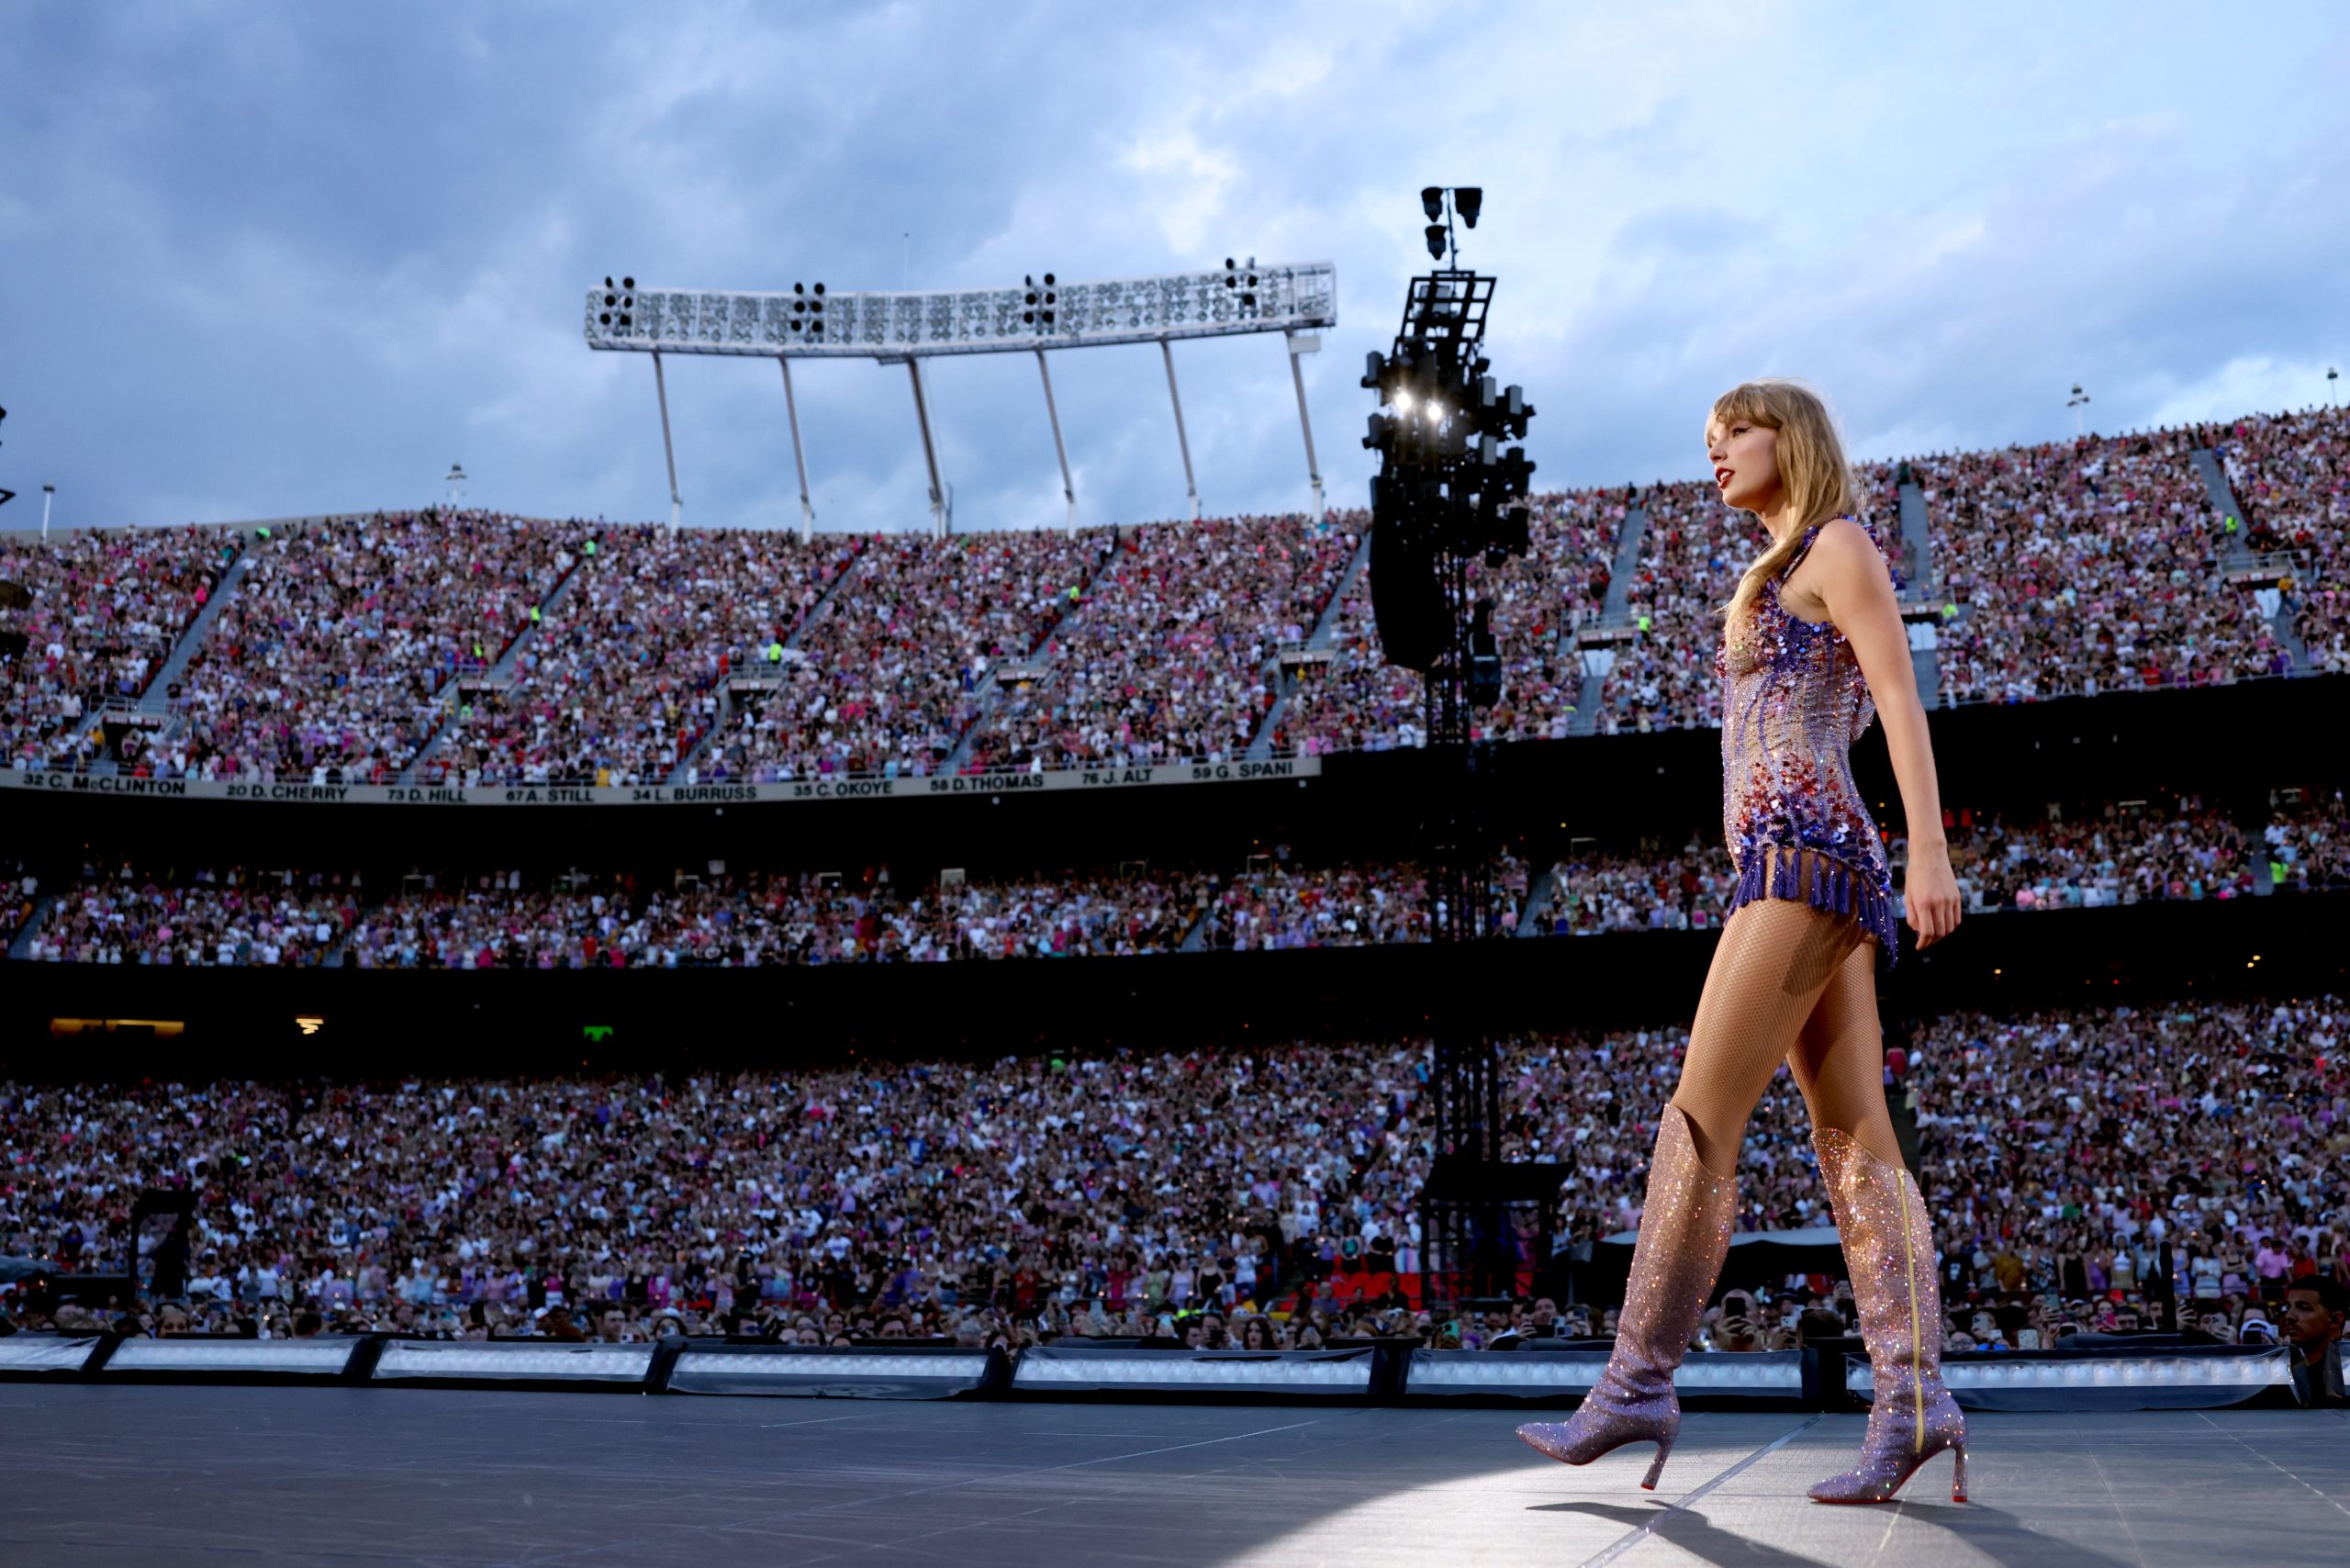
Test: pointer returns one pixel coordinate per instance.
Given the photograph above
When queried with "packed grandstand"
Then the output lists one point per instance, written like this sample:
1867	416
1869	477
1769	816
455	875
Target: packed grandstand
473	648
2094	1168
2113	855
2085	1164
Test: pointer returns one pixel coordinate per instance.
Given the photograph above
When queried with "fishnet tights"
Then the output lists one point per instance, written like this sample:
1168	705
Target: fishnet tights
1796	984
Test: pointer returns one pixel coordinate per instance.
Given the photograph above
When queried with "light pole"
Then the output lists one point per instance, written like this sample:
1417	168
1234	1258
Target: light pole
2075	402
2332	376
456	480
48	494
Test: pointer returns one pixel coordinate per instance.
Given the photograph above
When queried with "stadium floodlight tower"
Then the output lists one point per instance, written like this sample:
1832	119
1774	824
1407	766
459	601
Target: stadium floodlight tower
903	327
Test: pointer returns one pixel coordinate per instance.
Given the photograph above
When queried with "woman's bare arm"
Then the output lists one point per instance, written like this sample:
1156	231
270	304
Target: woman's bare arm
1858	591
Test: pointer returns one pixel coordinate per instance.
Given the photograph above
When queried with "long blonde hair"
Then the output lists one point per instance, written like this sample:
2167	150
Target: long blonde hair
1812	469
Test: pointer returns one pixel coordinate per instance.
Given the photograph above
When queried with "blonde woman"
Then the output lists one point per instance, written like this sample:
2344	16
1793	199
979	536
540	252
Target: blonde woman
1812	647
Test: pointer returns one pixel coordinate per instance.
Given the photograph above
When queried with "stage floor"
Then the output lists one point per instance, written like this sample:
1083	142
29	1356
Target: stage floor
131	1475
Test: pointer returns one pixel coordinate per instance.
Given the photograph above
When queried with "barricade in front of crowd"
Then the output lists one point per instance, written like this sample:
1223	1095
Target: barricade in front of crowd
1565	1376
2155	1375
204	1358
554	1363
863	1371
2180	1377
1352	1373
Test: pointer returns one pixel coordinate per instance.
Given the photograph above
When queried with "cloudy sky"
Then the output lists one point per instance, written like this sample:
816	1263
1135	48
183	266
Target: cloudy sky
259	259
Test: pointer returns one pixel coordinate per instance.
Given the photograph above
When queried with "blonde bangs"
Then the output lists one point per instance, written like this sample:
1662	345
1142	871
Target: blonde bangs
1745	401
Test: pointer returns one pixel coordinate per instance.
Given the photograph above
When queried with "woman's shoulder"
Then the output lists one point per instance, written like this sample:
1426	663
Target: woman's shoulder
1846	531
1846	544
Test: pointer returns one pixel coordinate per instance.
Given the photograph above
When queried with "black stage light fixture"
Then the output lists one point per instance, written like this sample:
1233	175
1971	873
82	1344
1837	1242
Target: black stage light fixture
1468	201
1436	241
1484	653
1432	201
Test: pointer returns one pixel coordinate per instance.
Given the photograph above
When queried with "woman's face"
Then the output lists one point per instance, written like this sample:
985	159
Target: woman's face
1744	457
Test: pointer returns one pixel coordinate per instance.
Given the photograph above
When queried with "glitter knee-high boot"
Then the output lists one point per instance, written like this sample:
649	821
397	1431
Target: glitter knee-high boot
1686	1223
1889	1247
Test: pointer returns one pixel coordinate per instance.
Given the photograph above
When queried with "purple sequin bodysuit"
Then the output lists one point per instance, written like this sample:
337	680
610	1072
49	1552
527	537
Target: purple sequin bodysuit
1793	702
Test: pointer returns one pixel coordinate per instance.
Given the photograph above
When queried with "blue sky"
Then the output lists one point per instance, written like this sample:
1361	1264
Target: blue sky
262	259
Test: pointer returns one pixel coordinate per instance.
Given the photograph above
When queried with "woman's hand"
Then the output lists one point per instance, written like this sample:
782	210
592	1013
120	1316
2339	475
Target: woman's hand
1930	893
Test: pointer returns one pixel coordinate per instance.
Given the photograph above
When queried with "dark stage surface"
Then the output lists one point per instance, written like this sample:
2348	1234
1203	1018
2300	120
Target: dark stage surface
353	1476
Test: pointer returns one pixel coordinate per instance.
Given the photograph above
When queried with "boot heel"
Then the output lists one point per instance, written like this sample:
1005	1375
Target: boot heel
1663	1447
1958	1476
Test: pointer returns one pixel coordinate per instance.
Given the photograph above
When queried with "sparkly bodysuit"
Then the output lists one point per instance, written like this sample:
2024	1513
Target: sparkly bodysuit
1793	702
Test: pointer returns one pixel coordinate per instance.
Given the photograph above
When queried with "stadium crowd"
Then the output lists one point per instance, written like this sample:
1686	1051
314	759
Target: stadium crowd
232	917
2097	856
1692	555
101	613
890	673
347	646
344	638
2085	1166
2086	567
2309	842
1281	905
623	673
1359	702
2290	474
123	913
1175	654
2101	857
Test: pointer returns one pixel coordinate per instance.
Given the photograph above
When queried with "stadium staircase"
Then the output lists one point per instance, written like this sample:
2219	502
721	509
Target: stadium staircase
1614	612
990	693
685	772
501	670
1538	894
1261	747
1919	546
2237	556
1195	940
337	954
21	945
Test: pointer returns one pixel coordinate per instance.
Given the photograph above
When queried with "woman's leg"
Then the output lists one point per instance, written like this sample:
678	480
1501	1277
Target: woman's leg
1887	1237
1838	1059
1775	959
